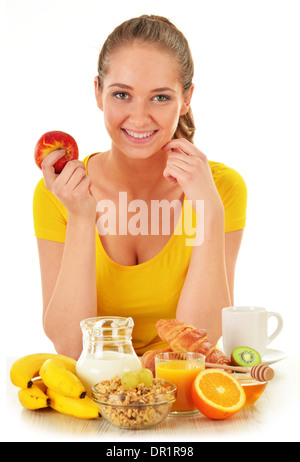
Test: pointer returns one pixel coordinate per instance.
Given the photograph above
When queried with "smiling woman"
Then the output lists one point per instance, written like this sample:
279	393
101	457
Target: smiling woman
159	34
144	87
139	110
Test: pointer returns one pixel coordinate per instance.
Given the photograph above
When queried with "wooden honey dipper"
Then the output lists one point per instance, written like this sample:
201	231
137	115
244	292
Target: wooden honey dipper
261	372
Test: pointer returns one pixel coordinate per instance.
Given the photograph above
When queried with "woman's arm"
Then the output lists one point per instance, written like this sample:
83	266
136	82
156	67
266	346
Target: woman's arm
206	289
233	242
209	281
209	284
68	271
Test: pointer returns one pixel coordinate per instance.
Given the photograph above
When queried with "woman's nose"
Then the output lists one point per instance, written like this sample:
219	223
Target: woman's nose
139	113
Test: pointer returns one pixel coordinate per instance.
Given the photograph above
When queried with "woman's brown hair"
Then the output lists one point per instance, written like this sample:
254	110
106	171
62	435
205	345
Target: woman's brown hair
159	31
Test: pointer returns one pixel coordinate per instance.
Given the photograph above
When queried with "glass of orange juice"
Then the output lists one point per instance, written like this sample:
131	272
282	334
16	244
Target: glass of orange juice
180	368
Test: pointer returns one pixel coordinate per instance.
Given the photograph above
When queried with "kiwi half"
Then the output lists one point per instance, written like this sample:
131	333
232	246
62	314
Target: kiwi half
245	357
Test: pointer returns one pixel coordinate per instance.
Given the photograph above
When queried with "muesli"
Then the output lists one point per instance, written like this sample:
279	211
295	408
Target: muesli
136	407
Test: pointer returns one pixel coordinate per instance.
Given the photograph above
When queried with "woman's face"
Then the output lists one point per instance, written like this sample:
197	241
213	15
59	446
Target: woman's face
142	99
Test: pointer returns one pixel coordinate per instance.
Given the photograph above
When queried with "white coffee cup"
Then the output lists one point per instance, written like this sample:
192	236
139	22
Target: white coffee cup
248	326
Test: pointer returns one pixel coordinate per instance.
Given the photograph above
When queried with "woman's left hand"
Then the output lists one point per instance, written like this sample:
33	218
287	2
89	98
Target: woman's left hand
189	167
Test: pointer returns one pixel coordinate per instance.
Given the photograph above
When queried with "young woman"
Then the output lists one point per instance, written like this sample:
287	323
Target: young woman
144	88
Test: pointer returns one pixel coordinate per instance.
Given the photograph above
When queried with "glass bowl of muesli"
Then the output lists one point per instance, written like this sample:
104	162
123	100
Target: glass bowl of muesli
136	408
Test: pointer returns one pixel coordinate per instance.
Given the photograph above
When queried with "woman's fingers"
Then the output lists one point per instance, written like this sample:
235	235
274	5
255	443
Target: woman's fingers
76	177
174	173
69	170
48	166
185	146
69	178
184	161
71	186
179	155
71	175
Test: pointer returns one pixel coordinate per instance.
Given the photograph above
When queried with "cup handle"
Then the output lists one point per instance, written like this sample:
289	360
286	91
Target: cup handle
278	328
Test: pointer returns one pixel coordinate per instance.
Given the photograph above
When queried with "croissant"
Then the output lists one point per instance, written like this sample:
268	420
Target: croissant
184	337
148	359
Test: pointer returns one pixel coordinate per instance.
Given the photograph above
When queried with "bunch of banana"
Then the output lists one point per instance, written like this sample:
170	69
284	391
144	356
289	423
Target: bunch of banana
57	386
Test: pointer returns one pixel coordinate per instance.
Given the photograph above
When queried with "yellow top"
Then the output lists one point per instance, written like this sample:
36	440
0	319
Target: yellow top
148	291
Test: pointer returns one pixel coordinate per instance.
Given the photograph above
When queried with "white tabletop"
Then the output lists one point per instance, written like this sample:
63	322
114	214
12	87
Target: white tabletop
274	417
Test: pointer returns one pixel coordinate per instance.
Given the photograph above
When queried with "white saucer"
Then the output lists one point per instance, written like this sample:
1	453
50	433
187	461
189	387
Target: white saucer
270	357
273	356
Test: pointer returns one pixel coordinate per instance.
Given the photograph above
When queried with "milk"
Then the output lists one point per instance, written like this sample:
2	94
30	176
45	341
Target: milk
92	370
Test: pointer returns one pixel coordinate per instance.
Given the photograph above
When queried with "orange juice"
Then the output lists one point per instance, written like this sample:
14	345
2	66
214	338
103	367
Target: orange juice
182	373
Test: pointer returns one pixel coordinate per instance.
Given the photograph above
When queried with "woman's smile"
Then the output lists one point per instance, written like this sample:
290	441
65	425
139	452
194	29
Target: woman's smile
139	137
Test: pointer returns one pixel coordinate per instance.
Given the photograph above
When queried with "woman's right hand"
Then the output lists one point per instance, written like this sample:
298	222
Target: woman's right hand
71	186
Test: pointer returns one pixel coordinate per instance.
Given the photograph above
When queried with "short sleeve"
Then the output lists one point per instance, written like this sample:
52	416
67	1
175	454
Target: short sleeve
233	192
49	215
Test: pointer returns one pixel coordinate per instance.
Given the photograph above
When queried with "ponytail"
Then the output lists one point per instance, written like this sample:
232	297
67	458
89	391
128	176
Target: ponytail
186	127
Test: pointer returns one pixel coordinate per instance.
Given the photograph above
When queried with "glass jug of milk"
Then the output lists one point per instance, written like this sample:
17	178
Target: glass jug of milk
107	350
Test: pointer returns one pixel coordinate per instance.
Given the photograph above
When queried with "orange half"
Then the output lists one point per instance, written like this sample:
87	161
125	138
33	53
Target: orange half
217	394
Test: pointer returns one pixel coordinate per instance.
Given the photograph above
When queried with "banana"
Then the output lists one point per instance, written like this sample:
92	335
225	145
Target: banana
26	368
39	383
84	408
33	398
56	376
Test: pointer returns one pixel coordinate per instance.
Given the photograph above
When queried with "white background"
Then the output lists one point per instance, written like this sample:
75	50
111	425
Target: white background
246	107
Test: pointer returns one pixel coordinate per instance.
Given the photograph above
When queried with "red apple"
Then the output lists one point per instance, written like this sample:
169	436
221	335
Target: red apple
52	141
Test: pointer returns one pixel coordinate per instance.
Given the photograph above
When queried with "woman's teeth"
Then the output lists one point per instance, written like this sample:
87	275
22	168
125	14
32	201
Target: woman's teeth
139	135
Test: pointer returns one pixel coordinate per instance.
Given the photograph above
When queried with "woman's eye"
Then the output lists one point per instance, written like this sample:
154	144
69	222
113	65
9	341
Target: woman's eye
162	98
121	95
